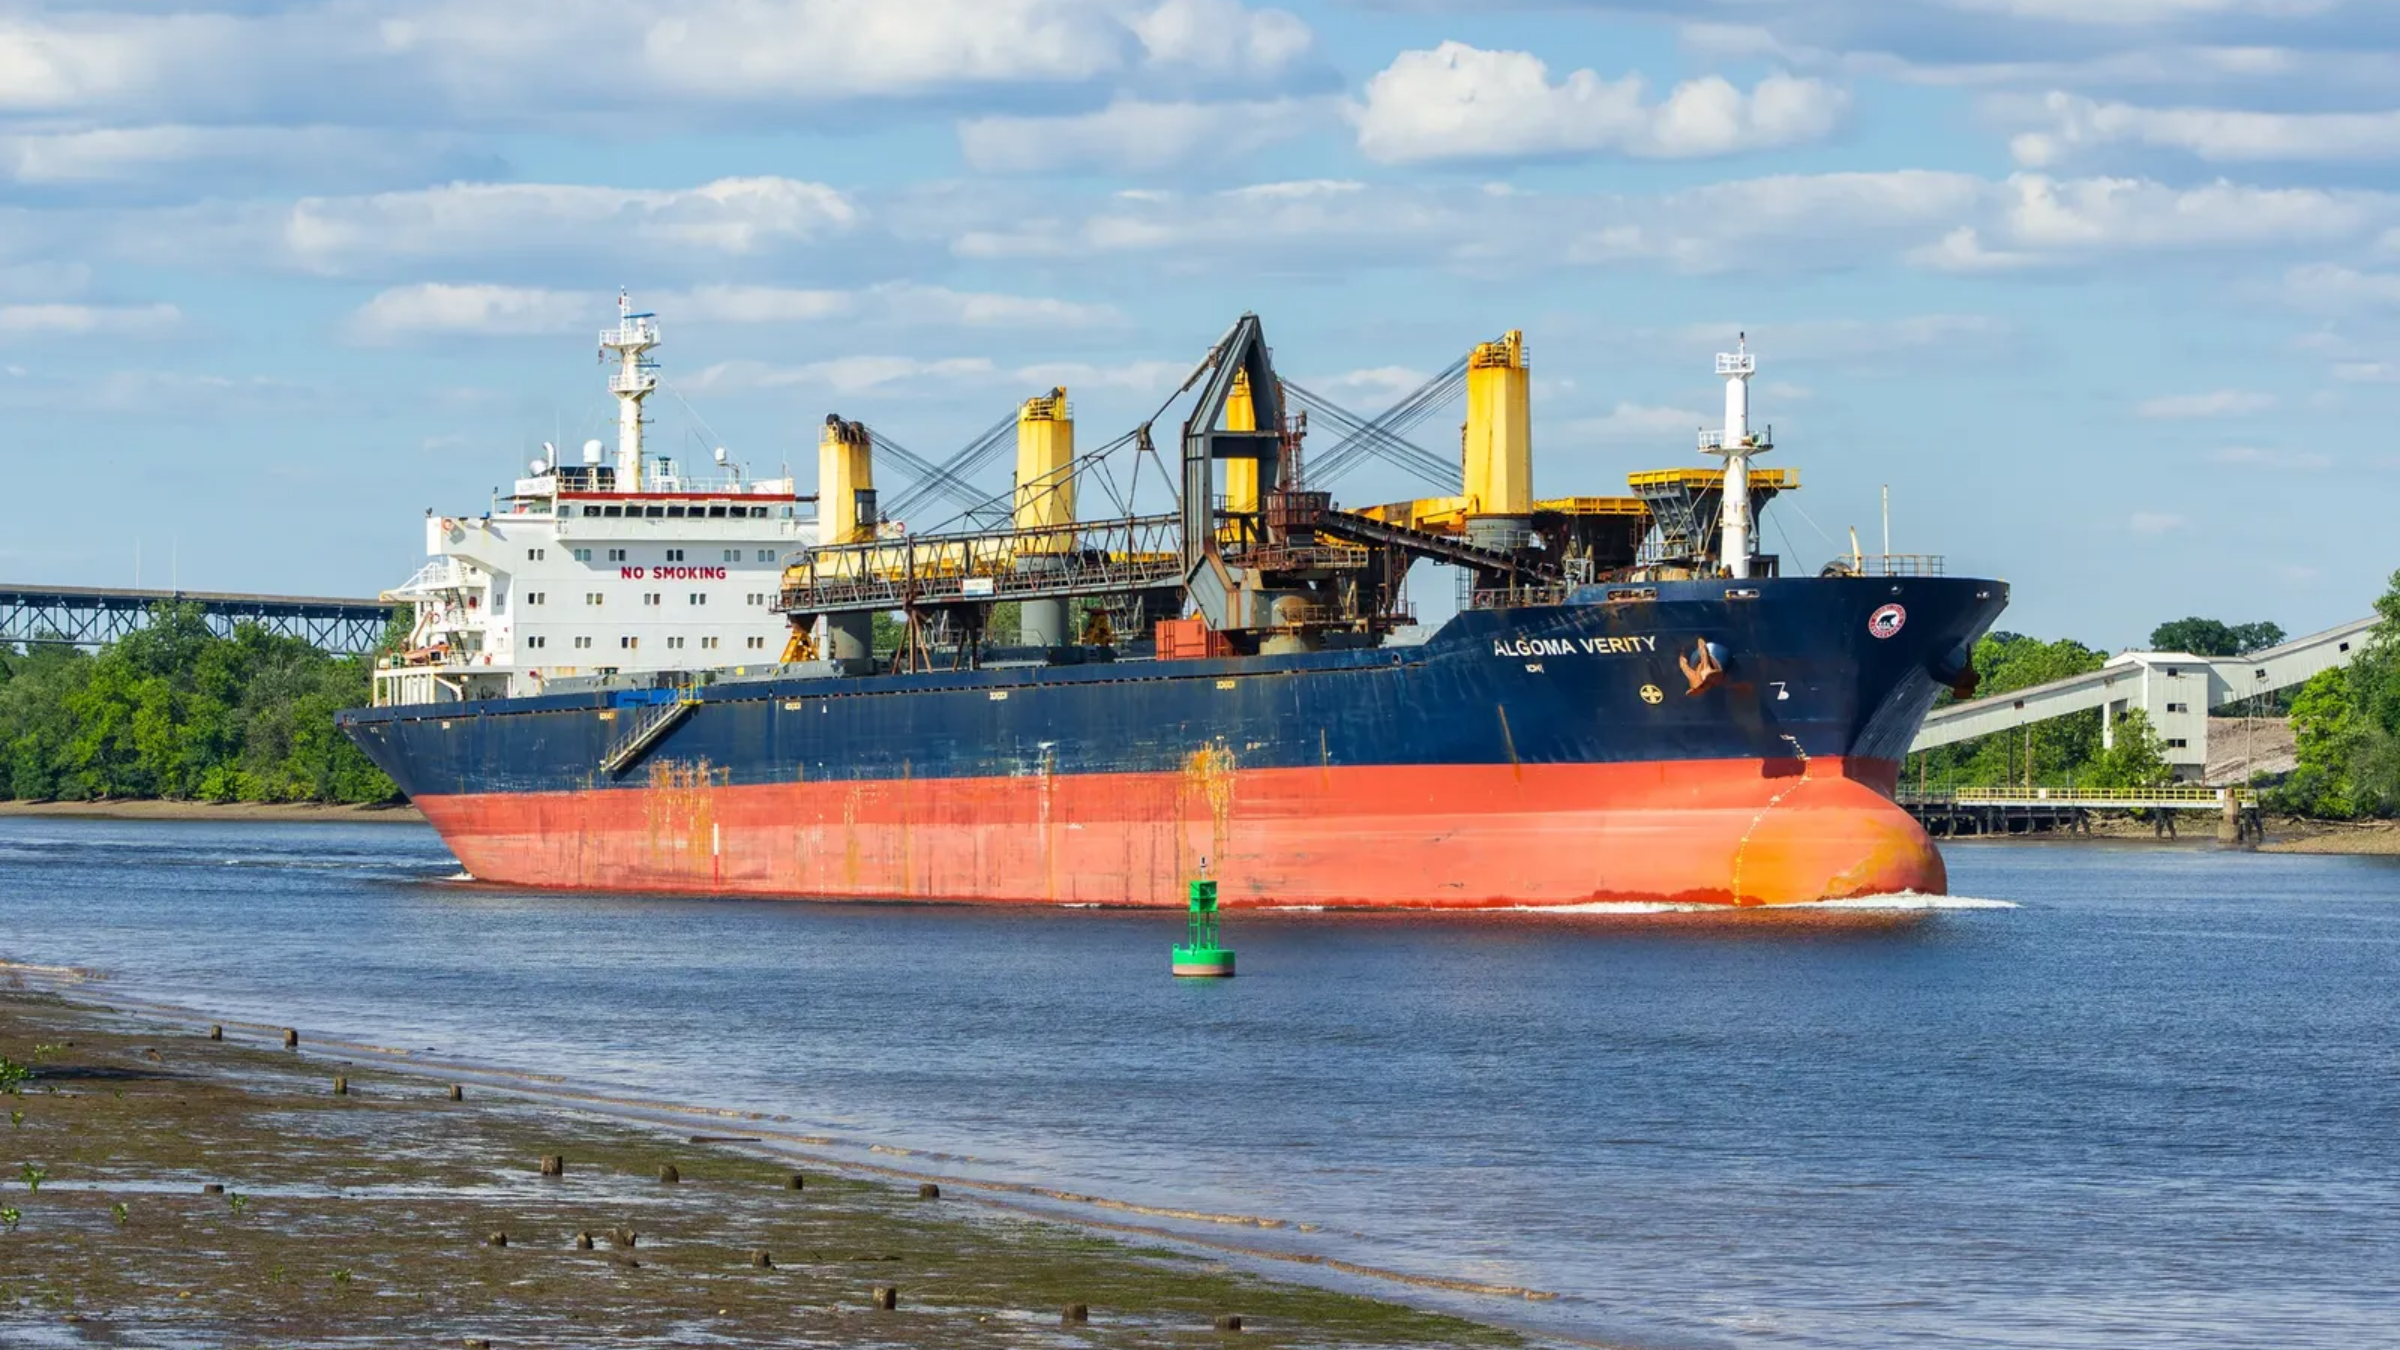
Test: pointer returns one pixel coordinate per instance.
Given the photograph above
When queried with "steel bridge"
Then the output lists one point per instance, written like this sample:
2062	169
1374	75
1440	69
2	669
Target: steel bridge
92	616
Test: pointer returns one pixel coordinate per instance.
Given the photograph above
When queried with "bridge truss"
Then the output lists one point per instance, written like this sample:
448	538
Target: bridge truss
88	616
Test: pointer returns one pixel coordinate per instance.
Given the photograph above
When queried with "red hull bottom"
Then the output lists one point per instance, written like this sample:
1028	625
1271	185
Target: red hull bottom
1447	836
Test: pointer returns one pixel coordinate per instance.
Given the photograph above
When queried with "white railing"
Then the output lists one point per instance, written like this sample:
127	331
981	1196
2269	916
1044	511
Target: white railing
442	574
641	332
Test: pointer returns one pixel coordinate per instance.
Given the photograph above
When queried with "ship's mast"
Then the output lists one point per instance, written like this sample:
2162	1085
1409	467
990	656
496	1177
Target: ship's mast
1736	444
636	379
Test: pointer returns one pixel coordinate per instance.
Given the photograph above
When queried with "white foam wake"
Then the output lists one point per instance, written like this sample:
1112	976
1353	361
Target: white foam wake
1902	902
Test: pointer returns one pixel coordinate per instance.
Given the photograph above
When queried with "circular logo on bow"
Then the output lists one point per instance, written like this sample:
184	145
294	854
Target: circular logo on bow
1651	693
1886	621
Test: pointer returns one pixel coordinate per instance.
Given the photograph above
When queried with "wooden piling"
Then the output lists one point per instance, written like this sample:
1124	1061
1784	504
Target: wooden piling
668	1174
216	1033
1229	1321
886	1298
457	1093
1075	1315
341	1086
554	1165
929	1191
291	1039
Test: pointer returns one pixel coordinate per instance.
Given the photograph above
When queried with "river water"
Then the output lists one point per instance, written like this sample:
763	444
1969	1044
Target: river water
2157	1103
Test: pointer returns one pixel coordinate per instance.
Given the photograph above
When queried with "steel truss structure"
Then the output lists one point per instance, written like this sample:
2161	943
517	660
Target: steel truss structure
88	616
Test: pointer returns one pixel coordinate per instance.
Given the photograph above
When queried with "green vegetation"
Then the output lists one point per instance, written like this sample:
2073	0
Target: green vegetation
2063	751
176	711
2207	637
2347	725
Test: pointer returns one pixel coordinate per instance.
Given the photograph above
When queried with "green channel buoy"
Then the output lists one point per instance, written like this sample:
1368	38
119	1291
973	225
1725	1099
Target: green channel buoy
1201	957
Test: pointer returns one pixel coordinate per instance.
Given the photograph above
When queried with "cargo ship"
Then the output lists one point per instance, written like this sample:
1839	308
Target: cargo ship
1088	689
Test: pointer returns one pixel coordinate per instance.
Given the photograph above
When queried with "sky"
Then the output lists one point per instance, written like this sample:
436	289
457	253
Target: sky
2103	291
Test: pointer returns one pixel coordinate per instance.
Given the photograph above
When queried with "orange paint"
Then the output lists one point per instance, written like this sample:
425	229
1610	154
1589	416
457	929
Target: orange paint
1732	832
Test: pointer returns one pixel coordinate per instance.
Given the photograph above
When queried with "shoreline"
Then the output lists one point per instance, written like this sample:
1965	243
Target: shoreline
158	808
370	1217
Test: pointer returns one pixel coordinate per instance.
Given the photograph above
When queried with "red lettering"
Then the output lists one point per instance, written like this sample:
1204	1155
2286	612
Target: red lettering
629	573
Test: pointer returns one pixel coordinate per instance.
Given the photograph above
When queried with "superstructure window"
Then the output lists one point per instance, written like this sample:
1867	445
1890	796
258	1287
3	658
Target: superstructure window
674	555
709	642
591	512
674	513
675	644
2176	743
537	643
698	597
534	554
766	554
629	643
583	555
653	598
716	513
591	597
612	512
582	643
656	513
756	644
536	597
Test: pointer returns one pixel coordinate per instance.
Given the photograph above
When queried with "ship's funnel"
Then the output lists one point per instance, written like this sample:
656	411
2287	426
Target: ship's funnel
1497	444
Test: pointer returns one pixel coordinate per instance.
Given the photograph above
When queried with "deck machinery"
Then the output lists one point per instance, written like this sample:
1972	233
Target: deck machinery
1251	560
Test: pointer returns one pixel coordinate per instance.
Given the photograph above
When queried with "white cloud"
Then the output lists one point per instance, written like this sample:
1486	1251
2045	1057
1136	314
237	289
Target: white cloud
860	374
1141	377
2367	372
2155	522
2075	125
1130	135
1962	250
381	232
1639	422
2095	215
63	320
363	59
2142	12
146	154
435	309
2214	403
2256	457
1221	37
1782	222
2330	286
1378	385
1461	102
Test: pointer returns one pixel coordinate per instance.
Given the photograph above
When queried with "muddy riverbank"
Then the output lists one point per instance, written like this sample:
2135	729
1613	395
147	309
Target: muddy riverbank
161	1187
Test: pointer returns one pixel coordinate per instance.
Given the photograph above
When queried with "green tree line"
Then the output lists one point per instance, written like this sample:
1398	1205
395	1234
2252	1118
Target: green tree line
2069	751
176	711
2346	722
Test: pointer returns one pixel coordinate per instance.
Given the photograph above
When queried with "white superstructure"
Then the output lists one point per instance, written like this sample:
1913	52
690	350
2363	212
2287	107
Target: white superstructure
593	569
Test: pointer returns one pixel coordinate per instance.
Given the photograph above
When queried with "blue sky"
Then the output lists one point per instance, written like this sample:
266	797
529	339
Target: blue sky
2105	290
